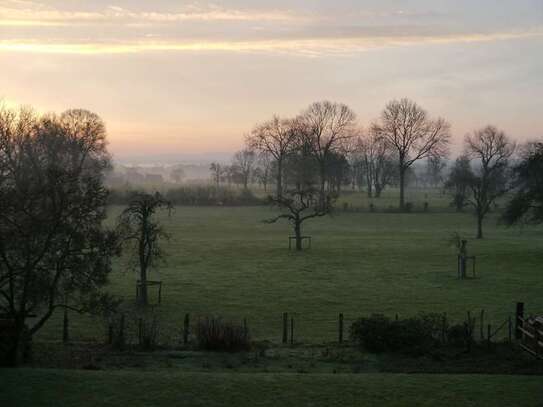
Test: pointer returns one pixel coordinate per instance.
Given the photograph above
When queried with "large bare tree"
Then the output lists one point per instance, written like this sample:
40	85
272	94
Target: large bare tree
244	161
328	128
298	205
54	251
490	149
413	135
376	157
276	138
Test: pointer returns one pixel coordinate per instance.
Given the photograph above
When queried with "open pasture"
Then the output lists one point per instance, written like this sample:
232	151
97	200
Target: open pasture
226	261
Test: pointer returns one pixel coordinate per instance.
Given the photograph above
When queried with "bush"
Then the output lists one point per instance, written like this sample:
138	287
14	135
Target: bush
218	335
415	335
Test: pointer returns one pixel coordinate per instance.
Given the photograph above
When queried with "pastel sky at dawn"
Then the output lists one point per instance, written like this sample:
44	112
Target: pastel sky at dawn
195	76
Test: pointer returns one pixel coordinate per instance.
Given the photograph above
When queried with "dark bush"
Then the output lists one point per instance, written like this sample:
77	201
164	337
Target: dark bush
217	335
417	335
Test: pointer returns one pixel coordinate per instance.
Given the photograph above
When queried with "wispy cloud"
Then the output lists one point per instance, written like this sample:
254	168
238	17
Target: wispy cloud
308	47
35	14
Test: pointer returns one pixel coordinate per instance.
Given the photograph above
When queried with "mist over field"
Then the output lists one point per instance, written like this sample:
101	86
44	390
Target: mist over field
272	203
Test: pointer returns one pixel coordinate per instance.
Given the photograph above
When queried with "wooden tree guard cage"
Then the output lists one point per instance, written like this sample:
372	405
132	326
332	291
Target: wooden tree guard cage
303	239
462	272
149	283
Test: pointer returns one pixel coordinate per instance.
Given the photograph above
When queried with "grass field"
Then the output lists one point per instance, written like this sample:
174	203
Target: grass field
225	261
43	388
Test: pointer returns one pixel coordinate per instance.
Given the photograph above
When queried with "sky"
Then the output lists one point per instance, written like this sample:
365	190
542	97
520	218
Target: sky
175	78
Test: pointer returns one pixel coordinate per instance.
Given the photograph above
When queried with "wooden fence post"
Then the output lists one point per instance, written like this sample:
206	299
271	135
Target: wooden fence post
121	332
340	328
285	327
519	317
292	330
510	329
186	325
482	324
245	328
140	331
489	336
444	328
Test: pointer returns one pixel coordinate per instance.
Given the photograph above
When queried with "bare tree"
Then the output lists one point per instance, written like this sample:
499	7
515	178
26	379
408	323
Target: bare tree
263	172
491	149
434	170
299	205
244	161
328	128
177	174
377	162
276	138
407	128
139	228
54	251
459	181
217	173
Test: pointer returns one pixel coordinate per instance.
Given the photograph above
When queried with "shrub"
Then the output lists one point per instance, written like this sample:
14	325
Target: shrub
218	335
415	335
148	333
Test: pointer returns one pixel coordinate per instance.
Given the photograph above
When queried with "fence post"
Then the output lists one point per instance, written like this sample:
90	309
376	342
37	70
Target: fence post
340	328
186	324
140	331
245	328
285	327
444	328
482	325
519	318
292	330
110	334
510	329
489	336
121	332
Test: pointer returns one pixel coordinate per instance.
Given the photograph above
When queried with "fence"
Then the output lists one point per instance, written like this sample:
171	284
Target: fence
531	332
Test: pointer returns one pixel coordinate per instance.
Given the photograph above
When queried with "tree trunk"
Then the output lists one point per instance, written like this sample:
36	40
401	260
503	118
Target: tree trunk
279	178
479	226
378	190
14	354
65	333
322	186
298	234
402	187
143	286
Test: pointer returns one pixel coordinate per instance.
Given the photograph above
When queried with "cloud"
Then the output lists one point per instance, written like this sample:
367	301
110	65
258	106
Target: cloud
306	46
23	13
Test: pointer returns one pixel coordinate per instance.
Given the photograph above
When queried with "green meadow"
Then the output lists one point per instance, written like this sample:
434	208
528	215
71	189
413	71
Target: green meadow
226	261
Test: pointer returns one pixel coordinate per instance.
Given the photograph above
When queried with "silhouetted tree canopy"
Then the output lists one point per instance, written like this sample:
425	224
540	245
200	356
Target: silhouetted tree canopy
139	228
490	150
527	203
54	251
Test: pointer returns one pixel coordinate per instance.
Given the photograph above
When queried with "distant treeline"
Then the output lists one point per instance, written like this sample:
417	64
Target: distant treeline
196	195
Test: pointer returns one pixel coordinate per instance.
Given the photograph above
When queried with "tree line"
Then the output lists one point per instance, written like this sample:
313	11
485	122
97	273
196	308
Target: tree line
323	149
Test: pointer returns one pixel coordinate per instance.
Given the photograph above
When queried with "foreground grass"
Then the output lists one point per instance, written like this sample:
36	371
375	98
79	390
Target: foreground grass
225	261
34	387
